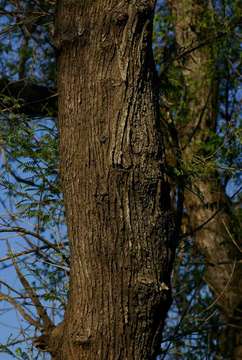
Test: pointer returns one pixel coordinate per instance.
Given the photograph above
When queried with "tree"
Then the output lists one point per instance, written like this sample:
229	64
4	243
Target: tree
120	223
208	207
116	196
124	165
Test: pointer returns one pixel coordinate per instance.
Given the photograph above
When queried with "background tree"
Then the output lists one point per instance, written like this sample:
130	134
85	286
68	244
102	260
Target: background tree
199	62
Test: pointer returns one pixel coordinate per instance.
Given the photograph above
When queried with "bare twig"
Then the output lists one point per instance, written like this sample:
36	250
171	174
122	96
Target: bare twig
222	292
231	237
33	296
21	230
19	308
35	249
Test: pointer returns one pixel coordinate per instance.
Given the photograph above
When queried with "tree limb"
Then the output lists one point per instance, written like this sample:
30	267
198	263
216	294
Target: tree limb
17	306
28	98
33	296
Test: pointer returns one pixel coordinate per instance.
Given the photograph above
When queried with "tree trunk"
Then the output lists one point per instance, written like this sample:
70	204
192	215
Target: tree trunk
216	239
117	201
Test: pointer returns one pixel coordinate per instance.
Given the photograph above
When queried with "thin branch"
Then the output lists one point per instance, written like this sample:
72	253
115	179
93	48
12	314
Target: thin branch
199	227
177	328
10	288
222	292
231	237
25	252
31	233
33	296
32	99
19	308
65	268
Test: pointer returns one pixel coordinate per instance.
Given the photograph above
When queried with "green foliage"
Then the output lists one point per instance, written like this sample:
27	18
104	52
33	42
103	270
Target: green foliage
30	164
193	324
31	197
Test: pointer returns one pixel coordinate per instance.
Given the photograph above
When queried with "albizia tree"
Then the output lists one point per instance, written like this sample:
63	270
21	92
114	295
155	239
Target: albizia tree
118	210
132	157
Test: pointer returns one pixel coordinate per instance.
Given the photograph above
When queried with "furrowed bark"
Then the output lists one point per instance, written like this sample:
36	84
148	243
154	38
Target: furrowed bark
116	196
217	239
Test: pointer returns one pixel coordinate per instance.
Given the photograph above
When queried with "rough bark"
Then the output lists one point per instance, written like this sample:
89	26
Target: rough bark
216	239
116	197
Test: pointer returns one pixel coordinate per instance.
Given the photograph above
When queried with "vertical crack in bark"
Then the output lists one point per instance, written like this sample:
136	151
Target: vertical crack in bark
119	219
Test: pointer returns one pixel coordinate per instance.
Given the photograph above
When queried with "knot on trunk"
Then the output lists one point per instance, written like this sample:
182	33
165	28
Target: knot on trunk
144	6
51	339
120	14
